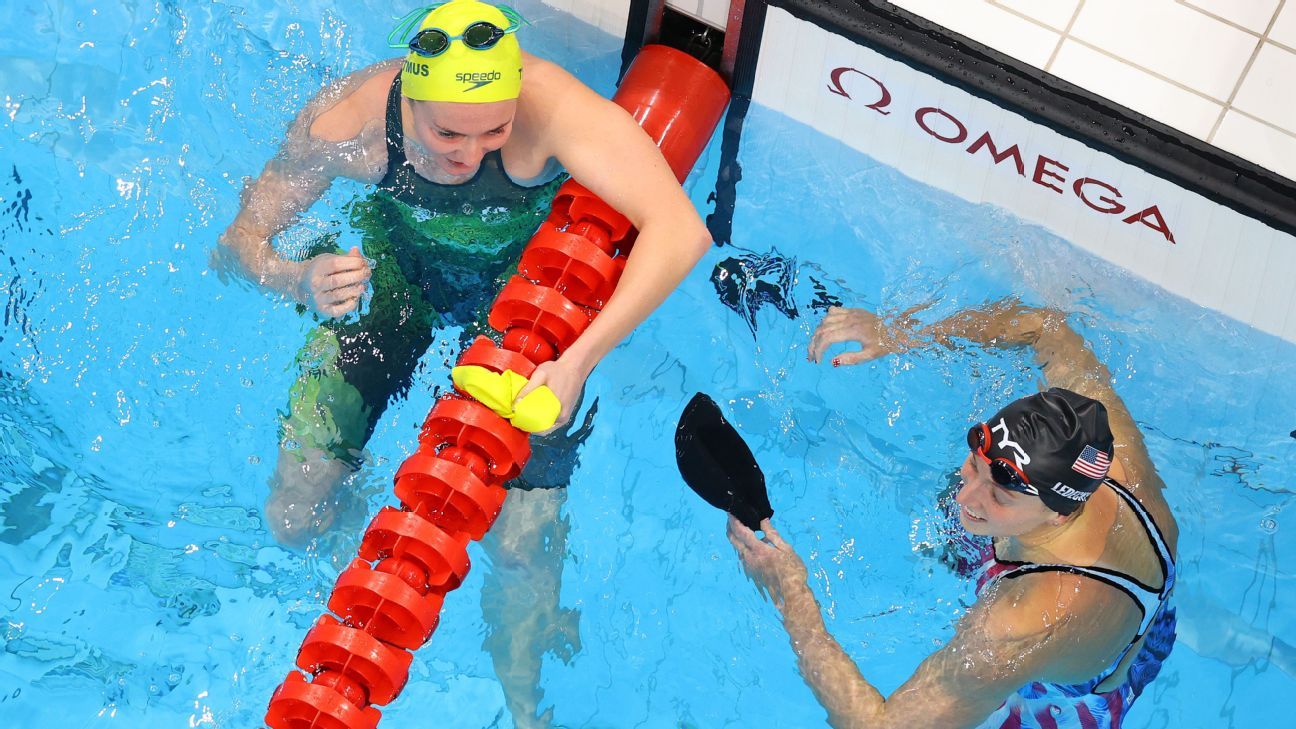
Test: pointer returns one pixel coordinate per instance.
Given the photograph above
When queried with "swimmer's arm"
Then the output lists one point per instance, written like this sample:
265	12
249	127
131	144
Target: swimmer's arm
297	176
290	183
993	653
1005	323
830	673
1065	359
603	148
1005	641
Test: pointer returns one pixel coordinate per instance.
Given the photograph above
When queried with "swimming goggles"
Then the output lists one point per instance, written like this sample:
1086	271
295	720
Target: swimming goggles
432	42
1004	472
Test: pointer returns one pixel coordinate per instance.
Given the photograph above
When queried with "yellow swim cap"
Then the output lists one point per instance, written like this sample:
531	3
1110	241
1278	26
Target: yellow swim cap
460	72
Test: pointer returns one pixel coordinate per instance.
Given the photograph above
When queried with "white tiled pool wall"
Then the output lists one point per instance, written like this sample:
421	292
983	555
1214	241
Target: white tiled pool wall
611	15
1219	258
1223	71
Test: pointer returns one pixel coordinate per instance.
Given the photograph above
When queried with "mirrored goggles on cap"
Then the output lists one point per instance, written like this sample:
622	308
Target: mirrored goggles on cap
432	42
1004	472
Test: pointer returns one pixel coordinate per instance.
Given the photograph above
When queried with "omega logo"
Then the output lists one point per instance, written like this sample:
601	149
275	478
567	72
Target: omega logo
1045	172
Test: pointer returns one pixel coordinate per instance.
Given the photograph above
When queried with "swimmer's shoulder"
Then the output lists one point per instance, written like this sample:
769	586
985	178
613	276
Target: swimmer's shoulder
554	106
346	108
542	77
1077	623
341	131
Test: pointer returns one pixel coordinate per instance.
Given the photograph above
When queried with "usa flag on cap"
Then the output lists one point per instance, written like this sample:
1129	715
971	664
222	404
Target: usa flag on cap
1092	463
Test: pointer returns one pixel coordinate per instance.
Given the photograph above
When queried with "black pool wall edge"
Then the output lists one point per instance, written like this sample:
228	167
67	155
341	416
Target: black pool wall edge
741	83
1064	107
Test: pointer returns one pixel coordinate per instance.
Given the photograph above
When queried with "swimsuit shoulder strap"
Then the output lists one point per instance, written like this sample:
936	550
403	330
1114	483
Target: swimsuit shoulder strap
395	133
1154	535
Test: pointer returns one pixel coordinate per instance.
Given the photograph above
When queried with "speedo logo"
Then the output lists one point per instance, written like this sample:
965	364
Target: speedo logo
477	80
1067	492
416	69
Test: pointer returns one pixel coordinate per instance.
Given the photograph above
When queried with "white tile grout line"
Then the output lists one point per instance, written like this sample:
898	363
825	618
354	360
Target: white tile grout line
1271	125
1226	21
1246	72
1031	18
1125	61
1066	33
1262	122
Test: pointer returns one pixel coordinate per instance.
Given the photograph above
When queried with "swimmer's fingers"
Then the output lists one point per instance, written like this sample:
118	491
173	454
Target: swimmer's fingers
329	281
340	308
822	340
825	336
566	384
345	279
745	540
327	264
772	537
343	295
338	271
854	358
339	301
539	377
860	326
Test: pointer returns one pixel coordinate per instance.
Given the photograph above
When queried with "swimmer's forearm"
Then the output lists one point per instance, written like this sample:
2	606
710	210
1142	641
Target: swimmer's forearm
290	183
260	264
659	262
1005	323
836	681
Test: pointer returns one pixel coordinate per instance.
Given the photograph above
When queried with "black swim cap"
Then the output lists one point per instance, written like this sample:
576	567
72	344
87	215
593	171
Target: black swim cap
1060	440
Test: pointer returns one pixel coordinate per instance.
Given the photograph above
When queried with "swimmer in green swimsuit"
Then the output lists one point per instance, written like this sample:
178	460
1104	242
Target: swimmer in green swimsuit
438	255
464	155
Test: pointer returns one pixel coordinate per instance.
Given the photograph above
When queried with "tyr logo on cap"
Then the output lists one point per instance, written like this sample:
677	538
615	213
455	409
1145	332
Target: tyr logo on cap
1019	453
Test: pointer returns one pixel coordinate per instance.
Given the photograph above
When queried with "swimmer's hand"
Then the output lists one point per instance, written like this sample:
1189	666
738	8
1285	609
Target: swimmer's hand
875	336
332	284
770	562
565	379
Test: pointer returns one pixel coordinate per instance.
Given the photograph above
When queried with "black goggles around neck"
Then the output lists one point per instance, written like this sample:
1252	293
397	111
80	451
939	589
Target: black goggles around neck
432	42
1004	472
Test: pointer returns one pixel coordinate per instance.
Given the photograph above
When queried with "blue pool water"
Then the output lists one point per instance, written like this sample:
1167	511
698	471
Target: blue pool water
138	582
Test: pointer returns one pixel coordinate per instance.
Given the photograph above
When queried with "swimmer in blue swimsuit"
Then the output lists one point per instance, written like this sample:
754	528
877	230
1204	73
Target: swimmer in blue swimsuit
1066	532
464	138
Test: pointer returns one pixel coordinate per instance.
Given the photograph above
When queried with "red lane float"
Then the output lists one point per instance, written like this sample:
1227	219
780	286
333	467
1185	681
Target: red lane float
484	353
448	493
534	308
470	426
572	265
379	669
388	601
